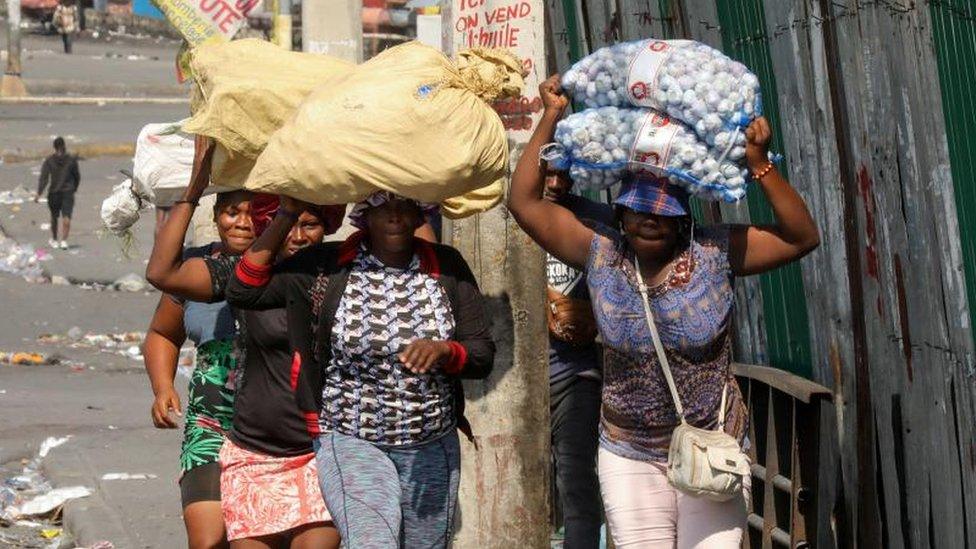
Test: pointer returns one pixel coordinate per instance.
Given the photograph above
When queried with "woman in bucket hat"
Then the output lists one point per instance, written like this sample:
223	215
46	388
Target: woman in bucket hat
689	276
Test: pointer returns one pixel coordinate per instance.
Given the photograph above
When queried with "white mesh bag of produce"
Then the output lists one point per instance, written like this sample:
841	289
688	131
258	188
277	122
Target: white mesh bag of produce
688	80
599	146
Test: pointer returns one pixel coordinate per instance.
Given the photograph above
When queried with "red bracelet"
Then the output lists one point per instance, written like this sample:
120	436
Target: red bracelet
759	174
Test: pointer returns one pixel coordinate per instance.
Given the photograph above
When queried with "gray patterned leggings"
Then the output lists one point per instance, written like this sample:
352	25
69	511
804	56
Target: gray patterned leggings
390	498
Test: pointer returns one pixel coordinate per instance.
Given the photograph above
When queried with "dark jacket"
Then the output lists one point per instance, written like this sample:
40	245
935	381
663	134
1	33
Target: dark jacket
310	285
60	171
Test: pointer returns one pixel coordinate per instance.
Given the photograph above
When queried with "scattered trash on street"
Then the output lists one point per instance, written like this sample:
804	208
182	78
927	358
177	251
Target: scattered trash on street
28	359
131	283
30	508
18	195
22	260
128	476
50	502
125	343
51	443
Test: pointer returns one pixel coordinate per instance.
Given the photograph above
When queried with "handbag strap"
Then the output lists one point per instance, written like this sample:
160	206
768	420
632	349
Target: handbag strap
662	356
658	346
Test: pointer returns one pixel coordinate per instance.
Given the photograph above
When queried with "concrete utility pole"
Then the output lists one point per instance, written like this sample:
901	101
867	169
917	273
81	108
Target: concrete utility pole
282	24
334	28
505	479
12	85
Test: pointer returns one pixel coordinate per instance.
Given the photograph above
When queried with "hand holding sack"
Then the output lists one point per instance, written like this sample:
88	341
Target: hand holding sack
408	121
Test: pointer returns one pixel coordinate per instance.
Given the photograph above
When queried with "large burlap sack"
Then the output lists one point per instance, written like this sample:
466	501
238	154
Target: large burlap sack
246	90
474	202
409	121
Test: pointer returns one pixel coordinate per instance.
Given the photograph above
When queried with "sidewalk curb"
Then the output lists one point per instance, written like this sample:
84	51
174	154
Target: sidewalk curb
54	88
88	520
83	150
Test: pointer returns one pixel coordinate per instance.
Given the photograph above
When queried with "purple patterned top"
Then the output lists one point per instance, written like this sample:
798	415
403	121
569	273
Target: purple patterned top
693	311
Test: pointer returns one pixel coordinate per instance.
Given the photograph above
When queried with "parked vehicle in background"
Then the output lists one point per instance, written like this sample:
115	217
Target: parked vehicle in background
39	10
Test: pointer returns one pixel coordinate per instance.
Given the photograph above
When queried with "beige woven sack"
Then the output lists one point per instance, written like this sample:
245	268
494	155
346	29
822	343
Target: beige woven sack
409	121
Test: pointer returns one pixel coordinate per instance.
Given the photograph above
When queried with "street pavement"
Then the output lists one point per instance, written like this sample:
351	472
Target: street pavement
101	398
109	64
94	255
29	128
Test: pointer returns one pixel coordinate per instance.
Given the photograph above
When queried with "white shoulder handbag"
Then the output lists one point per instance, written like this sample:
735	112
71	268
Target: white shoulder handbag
701	463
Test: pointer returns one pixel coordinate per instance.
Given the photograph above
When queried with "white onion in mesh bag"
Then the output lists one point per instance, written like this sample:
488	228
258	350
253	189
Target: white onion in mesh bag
688	80
601	146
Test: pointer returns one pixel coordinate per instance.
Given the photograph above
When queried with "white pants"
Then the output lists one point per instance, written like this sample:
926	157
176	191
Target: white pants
644	511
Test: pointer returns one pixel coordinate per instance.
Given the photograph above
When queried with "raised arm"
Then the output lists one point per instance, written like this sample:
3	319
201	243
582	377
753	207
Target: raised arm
253	286
754	249
167	270
553	227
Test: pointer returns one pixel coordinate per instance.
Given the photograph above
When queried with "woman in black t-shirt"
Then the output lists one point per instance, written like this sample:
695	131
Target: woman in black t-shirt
269	485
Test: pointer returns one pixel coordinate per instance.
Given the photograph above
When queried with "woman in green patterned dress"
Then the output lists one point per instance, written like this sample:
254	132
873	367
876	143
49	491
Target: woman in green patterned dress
211	327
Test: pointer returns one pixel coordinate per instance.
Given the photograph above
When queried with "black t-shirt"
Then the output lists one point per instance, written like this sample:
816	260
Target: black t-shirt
266	417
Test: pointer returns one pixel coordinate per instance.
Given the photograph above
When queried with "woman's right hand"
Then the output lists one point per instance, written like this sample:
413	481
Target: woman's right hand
553	98
166	401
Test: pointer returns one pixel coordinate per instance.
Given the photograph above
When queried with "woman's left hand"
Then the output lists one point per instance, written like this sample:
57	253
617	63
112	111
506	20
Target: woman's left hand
423	354
758	136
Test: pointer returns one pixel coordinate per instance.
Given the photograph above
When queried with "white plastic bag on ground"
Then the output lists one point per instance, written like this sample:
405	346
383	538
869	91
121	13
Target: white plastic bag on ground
600	146
45	503
688	80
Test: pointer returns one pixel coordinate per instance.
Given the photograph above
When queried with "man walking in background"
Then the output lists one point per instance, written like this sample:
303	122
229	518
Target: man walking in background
575	366
60	176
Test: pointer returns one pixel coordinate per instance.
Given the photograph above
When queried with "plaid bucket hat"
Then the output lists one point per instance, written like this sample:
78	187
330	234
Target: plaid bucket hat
653	195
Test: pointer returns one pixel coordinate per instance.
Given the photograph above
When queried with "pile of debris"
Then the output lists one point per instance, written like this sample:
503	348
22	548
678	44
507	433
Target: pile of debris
124	343
23	260
30	508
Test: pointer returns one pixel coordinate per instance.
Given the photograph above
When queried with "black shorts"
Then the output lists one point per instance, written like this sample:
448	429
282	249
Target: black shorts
61	204
202	483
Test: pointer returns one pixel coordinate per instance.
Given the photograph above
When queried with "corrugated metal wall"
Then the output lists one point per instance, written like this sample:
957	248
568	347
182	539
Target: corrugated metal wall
862	93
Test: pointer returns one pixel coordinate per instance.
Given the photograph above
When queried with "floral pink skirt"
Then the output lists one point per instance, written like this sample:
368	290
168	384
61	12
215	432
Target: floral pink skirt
262	495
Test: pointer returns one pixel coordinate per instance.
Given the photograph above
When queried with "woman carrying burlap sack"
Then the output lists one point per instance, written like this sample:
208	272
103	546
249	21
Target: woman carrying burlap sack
383	327
684	285
267	485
